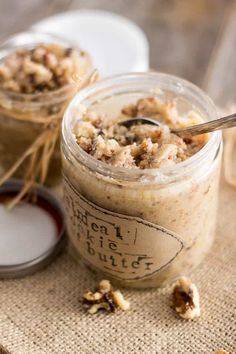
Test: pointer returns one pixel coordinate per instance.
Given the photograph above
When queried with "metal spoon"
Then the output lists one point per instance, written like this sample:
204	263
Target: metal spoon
207	127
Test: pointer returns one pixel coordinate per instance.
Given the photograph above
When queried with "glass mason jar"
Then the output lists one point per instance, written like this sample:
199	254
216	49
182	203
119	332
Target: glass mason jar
16	136
141	228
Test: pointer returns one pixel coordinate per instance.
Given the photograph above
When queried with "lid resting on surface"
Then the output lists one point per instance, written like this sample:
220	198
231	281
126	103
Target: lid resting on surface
31	234
116	44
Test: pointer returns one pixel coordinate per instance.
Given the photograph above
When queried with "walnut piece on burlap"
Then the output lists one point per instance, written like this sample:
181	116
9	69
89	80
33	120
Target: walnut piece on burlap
3	350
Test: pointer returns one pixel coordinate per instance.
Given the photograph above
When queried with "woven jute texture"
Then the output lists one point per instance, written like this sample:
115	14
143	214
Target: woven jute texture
42	313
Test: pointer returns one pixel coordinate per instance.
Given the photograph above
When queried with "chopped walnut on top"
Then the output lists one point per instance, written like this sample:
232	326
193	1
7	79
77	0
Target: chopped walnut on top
44	68
164	112
139	146
186	299
105	298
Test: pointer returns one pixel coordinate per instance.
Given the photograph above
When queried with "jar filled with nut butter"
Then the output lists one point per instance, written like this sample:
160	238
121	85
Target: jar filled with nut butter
140	201
38	74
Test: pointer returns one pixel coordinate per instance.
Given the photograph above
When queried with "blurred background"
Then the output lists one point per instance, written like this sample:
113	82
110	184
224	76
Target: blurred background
182	33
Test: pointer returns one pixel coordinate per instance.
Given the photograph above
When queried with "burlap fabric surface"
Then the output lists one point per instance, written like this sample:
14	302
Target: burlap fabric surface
42	313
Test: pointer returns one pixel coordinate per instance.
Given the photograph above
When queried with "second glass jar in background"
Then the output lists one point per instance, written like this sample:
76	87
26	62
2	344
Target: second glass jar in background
17	135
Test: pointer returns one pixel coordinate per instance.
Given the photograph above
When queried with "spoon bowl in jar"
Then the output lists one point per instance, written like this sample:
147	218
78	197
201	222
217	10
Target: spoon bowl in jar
207	127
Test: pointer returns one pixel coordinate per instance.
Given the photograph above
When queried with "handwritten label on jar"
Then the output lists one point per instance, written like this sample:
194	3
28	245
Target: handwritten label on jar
126	247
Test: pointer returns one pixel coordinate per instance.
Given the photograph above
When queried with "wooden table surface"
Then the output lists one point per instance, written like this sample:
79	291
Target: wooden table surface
182	33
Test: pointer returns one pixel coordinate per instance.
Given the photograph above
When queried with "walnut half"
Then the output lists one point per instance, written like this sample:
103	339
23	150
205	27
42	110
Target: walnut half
105	298
186	299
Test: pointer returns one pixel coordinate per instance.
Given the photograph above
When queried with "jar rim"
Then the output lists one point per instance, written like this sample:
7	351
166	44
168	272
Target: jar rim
35	37
133	173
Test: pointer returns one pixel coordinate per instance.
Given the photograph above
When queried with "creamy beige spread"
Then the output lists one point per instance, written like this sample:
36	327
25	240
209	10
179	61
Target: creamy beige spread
46	67
178	204
141	145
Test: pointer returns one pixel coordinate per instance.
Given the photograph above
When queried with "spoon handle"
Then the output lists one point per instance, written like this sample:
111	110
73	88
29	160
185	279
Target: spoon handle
217	124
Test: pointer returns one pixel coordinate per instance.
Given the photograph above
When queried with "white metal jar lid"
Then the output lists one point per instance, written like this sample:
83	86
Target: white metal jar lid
31	235
116	44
